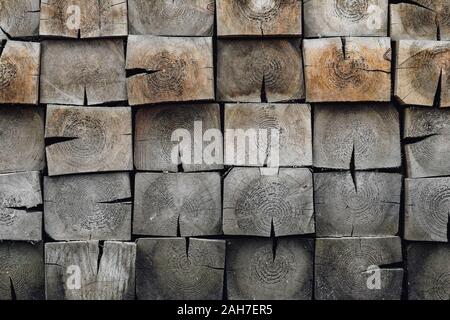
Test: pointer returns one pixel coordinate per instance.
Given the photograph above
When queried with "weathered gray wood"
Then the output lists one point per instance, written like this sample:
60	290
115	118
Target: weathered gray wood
257	271
246	68
367	135
169	69
88	207
292	122
19	18
420	20
83	18
20	194
255	204
172	17
428	271
21	271
259	18
109	275
22	139
19	72
75	71
171	269
361	18
189	202
157	126
429	132
342	268
422	68
347	69
368	206
427	209
98	139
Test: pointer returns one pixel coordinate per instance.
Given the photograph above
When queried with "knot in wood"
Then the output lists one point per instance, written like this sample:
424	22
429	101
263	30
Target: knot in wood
351	10
259	10
268	271
170	72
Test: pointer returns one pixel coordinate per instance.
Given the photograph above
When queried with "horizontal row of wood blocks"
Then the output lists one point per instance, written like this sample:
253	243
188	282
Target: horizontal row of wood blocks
82	139
197	269
176	69
336	204
420	19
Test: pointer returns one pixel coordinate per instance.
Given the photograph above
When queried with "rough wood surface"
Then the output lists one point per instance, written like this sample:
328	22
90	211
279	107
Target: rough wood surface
364	135
188	203
428	271
172	269
155	126
341	268
19	72
259	18
256	270
256	205
420	20
360	18
347	69
22	138
172	17
82	72
367	206
88	207
422	75
93	139
94	18
291	121
427	209
427	134
250	69
169	69
19	18
20	194
21	271
106	275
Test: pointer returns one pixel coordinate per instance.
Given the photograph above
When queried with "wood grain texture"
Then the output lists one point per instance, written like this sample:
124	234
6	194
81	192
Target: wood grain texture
421	20
22	138
422	75
428	132
169	69
75	71
428	271
155	127
21	271
368	206
97	139
367	135
19	18
254	204
19	72
291	121
97	18
427	209
20	194
171	269
88	207
248	68
360	18
258	271
347	69
106	275
341	268
172	17
166	203
259	18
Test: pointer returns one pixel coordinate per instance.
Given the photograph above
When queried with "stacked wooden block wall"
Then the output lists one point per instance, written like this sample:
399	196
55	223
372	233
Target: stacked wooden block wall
92	206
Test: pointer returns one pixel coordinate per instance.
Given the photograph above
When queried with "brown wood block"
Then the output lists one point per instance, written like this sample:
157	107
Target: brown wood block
91	139
174	269
165	203
88	207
